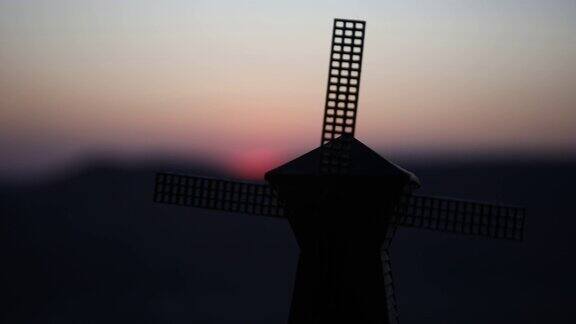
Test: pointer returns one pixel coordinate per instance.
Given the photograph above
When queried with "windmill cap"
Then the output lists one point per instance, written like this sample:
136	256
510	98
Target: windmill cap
364	163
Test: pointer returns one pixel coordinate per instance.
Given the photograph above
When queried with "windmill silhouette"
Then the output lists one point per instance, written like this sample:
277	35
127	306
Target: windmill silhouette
344	203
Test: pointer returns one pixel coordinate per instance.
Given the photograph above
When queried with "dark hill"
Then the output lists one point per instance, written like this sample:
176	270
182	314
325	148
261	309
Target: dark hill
92	248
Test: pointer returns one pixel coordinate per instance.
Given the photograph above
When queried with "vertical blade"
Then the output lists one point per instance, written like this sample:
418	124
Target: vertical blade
340	110
343	78
391	304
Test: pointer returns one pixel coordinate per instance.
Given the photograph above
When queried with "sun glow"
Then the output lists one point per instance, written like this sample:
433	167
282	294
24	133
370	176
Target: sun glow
252	164
219	77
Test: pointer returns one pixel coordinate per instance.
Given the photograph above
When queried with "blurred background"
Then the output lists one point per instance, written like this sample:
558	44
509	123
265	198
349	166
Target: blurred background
475	97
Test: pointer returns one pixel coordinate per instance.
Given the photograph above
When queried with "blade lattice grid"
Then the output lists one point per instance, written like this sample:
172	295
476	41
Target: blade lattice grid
336	156
340	110
391	304
457	216
343	78
219	194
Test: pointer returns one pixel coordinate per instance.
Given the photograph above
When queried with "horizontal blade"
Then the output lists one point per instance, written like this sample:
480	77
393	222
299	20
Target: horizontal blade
218	194
458	216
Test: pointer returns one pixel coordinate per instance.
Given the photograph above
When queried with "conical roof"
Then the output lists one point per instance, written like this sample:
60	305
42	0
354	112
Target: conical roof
364	163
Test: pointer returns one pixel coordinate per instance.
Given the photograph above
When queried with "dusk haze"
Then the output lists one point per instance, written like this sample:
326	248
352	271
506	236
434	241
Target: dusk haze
230	81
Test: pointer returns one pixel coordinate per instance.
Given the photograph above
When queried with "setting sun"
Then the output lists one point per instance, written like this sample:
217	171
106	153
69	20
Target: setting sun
252	164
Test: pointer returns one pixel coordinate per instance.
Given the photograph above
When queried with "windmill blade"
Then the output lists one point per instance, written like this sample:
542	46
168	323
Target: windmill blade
343	78
340	110
458	216
218	194
391	303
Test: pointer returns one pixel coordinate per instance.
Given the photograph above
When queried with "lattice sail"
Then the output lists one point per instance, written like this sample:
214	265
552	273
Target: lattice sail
458	216
218	194
343	78
391	304
340	110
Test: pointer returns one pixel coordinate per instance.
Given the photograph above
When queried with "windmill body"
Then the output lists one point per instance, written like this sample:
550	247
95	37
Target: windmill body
344	203
341	223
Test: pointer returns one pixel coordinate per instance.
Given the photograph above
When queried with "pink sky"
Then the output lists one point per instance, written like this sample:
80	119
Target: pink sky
244	84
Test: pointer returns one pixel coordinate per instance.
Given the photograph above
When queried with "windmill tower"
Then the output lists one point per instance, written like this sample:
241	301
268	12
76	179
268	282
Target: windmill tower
344	203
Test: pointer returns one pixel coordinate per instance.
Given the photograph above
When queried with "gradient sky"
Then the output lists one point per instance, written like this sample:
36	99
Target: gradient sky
243	82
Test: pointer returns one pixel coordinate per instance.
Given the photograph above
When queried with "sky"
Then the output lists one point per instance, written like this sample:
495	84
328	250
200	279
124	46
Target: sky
242	83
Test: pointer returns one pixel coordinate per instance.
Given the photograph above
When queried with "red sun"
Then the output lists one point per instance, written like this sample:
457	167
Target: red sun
252	164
